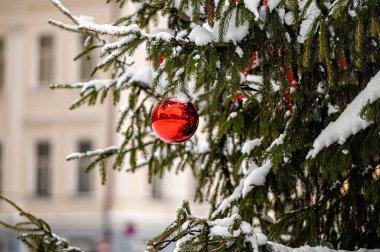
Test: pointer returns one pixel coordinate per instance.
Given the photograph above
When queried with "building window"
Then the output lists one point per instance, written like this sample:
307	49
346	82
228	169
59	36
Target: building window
85	180
87	61
156	187
43	187
2	63
46	59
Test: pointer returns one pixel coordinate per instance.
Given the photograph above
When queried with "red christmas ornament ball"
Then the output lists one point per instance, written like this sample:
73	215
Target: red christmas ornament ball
174	120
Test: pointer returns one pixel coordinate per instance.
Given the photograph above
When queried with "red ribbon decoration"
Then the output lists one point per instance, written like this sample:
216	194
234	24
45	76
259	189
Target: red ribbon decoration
265	4
239	98
343	62
288	99
291	79
251	62
162	59
288	96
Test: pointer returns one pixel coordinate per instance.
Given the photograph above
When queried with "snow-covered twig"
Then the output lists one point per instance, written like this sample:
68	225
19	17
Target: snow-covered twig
111	29
64	26
131	75
65	11
108	150
96	85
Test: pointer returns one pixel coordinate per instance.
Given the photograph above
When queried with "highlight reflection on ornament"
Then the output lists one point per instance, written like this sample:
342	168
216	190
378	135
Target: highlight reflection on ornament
173	120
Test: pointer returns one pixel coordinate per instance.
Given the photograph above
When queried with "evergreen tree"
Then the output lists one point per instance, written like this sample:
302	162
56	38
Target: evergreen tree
288	96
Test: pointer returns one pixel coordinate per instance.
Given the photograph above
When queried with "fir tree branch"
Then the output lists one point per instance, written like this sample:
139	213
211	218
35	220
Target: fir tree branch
36	233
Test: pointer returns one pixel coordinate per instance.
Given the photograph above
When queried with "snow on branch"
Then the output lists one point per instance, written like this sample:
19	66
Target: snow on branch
312	12
81	20
119	44
142	74
129	35
107	29
281	248
226	203
59	241
255	177
96	85
112	56
224	228
199	36
108	150
349	122
64	26
65	11
111	29
131	74
189	231
250	145
203	35
278	141
253	6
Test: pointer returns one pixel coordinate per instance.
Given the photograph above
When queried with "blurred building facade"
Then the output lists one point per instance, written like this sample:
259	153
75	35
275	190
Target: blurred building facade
37	131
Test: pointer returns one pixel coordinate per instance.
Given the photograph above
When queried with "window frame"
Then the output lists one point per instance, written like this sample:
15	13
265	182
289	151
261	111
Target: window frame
43	55
47	166
81	165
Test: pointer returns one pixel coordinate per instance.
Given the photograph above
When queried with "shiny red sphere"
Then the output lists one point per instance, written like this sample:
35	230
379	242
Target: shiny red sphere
174	121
